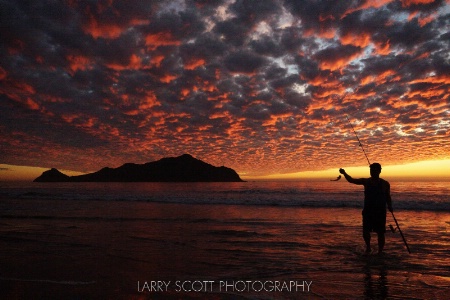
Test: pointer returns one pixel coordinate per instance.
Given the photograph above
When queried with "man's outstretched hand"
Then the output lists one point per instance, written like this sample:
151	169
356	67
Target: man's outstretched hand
342	171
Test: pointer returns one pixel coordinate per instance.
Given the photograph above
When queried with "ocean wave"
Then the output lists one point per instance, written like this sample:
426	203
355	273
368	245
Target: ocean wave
316	195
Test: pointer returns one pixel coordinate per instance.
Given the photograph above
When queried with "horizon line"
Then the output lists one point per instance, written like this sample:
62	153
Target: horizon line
428	169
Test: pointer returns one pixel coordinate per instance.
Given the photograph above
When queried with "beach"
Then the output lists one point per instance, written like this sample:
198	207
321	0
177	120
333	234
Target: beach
116	242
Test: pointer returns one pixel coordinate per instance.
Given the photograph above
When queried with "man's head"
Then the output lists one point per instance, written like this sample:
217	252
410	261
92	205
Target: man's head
375	170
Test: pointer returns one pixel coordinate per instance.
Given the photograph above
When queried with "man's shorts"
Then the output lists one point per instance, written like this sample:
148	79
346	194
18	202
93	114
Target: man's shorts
374	221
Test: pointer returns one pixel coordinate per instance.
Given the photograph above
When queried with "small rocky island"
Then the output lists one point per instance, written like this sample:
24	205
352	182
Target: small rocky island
184	168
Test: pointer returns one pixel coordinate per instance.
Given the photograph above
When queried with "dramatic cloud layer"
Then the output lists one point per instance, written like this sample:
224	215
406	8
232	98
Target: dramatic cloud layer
260	86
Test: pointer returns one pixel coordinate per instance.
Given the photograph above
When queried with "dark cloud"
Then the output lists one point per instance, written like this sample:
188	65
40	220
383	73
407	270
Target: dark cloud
409	34
334	57
206	45
244	62
266	45
318	14
266	84
252	12
232	31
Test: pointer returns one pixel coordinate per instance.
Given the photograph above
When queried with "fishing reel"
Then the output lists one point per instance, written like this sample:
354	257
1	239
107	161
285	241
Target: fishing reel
392	228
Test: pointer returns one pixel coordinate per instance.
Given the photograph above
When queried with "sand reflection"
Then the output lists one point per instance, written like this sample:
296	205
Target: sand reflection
375	280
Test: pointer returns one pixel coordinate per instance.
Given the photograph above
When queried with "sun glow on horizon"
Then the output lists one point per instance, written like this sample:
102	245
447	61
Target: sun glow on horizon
423	170
26	173
430	169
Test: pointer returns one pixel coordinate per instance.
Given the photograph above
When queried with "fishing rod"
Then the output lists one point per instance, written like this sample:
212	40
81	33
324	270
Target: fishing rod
401	233
396	223
358	140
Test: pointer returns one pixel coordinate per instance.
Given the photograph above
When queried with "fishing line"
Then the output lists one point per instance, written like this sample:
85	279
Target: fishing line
358	140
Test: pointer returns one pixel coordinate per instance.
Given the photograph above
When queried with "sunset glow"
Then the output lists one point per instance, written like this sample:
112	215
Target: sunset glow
424	170
23	173
263	87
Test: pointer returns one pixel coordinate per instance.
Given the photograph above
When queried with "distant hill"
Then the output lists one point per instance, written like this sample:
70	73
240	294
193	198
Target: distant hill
184	168
52	175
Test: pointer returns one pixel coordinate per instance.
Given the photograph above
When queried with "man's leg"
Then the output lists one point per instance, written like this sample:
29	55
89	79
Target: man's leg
381	229
367	227
366	236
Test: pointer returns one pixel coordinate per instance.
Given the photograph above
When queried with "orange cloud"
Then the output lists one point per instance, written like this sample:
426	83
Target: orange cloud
406	3
422	20
382	48
78	62
236	127
429	93
275	118
367	80
69	118
185	92
135	63
133	112
149	101
26	88
383	77
20	92
325	33
193	64
366	5
100	26
443	79
32	104
167	78
425	20
337	91
205	127
219	115
324	103
97	30
209	87
360	40
154	40
362	96
337	63
156	60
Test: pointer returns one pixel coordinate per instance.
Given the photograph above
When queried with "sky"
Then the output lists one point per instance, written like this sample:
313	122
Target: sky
268	88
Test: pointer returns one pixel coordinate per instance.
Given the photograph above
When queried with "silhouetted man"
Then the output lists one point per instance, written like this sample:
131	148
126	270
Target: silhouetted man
377	195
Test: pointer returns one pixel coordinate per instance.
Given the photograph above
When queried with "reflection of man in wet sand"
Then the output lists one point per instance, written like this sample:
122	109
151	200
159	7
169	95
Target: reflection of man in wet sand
376	196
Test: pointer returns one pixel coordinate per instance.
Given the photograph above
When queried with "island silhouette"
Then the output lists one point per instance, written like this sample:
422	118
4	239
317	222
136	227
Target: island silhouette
184	168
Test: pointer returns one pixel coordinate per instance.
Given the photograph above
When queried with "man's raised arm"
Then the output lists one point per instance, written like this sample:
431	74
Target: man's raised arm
350	178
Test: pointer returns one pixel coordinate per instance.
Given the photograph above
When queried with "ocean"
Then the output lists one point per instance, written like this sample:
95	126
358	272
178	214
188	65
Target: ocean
249	240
